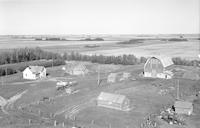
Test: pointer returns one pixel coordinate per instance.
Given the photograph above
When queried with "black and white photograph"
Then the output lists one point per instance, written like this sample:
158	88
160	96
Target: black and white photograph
99	63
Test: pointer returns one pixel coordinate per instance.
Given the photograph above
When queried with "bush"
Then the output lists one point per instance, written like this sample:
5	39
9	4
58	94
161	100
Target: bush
132	41
95	39
177	39
26	54
180	61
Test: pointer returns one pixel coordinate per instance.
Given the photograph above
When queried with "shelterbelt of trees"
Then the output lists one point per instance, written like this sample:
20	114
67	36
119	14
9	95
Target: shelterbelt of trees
16	60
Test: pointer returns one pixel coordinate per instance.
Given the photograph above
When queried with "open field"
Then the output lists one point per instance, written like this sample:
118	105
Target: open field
188	50
43	104
149	47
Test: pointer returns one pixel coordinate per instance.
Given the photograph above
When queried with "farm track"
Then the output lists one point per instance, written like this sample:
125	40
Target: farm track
74	109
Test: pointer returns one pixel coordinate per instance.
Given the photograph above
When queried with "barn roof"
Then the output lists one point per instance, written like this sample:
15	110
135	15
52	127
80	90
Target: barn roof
166	61
183	104
110	97
36	69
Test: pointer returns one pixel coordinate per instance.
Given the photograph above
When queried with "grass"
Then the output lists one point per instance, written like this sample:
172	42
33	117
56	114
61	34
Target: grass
142	93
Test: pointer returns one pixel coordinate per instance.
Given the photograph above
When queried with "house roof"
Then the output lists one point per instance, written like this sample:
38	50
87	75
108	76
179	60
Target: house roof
183	104
166	61
36	69
110	97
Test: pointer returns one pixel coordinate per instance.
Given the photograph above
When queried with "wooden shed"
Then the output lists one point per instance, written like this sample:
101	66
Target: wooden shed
112	78
76	69
155	67
183	107
113	101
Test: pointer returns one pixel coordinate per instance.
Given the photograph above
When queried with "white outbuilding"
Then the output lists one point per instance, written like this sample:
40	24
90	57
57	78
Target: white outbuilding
34	72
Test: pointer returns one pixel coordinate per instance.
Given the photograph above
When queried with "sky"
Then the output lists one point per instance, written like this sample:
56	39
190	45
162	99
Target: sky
99	17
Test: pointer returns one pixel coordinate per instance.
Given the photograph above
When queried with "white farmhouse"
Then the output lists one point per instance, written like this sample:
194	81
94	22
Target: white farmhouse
34	72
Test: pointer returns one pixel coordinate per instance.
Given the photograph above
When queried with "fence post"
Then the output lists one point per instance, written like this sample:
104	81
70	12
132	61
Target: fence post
39	112
29	121
55	123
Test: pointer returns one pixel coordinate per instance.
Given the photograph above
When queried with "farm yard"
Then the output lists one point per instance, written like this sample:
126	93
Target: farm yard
99	64
39	103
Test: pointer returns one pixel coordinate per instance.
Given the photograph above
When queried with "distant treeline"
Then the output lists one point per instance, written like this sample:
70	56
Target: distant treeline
177	39
137	41
95	39
124	59
26	54
24	57
132	41
9	69
63	39
180	61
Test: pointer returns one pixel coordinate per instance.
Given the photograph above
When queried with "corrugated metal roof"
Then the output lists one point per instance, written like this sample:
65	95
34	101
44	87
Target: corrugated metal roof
183	104
110	97
166	61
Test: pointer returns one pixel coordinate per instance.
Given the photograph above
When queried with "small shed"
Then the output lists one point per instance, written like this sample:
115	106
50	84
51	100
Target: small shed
76	69
183	107
125	76
113	101
156	67
191	75
34	72
112	78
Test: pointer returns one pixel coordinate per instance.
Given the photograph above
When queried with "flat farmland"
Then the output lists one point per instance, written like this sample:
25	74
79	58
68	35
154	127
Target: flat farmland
19	43
188	50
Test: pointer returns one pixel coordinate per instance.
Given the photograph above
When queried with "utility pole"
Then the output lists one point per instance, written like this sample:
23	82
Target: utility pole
52	60
98	82
2	80
177	93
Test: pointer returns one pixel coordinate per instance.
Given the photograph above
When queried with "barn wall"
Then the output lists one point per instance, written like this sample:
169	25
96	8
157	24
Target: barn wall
154	64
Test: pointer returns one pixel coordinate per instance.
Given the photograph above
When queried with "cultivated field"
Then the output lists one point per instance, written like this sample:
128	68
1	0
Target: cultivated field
188	49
